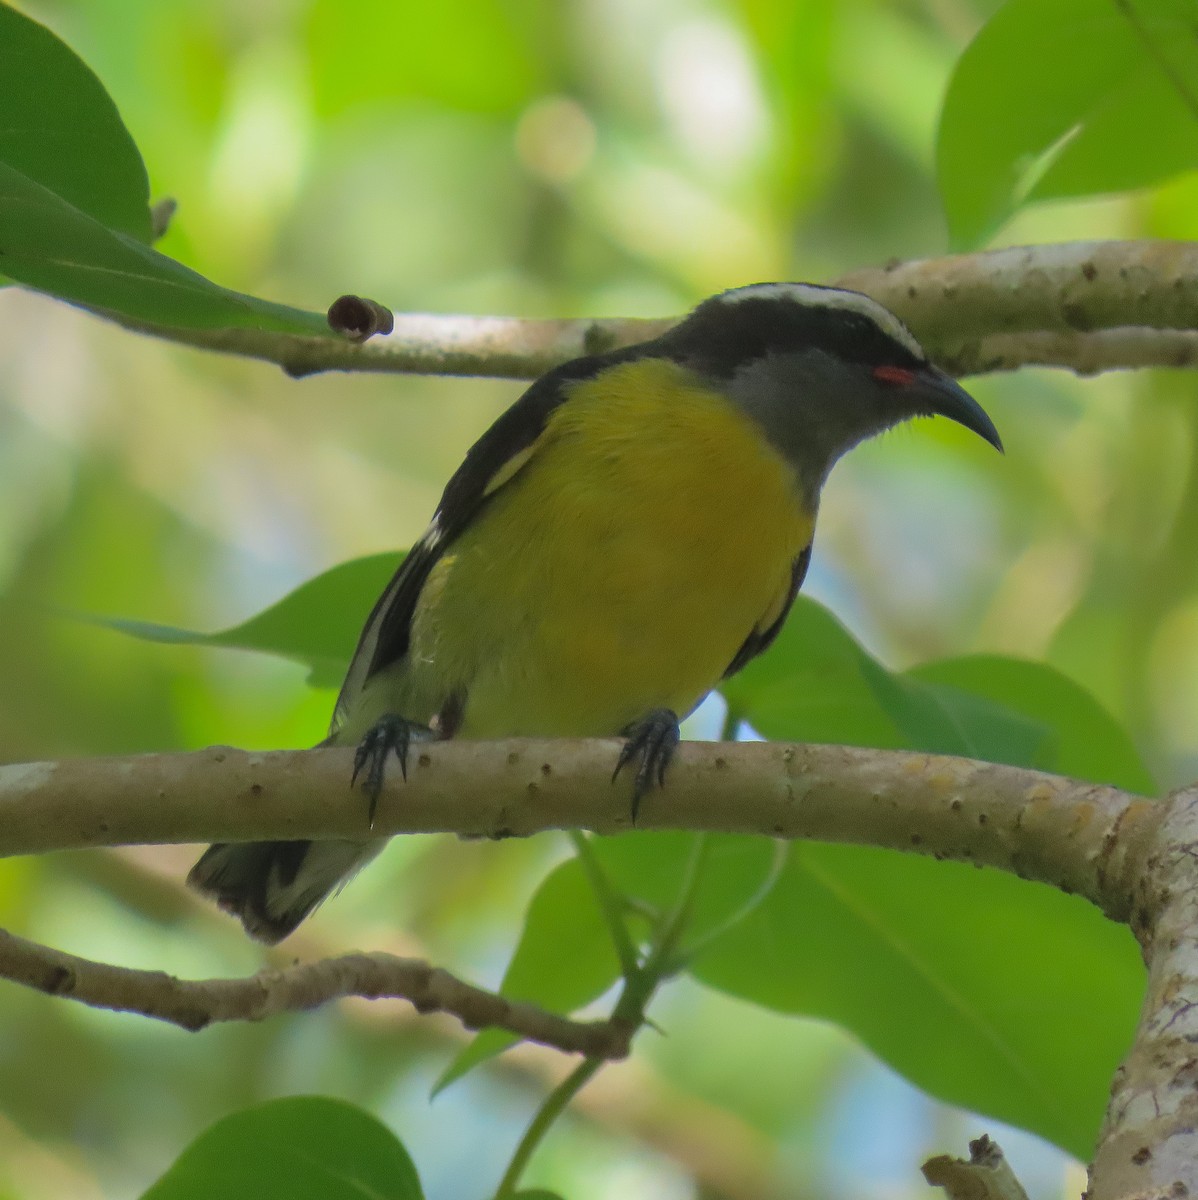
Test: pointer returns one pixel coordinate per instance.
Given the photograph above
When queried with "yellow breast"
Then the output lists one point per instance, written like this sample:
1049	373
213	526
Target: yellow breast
620	570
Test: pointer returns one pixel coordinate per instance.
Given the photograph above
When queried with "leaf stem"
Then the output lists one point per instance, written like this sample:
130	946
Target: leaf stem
610	903
731	723
554	1106
640	983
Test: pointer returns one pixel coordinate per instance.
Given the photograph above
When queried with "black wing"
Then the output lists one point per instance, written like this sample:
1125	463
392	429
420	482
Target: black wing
760	639
494	459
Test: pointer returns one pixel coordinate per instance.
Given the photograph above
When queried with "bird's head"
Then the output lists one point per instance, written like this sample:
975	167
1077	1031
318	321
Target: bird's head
819	368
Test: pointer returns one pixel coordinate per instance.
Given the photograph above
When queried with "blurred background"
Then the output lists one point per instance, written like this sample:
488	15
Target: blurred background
536	158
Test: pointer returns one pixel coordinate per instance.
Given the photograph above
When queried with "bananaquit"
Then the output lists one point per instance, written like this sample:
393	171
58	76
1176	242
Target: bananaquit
631	531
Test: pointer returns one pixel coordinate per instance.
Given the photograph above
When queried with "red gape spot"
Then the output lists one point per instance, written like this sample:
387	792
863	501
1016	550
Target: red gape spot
899	376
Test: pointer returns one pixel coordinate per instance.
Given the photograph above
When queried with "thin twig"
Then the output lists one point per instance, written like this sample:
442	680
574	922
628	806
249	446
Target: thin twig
986	1176
196	1003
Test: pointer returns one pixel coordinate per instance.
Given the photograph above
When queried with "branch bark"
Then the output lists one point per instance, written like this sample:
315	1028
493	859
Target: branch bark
1086	306
1149	1141
1077	836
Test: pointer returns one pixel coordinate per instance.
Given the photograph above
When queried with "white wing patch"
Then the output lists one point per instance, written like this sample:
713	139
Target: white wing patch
432	536
509	468
812	295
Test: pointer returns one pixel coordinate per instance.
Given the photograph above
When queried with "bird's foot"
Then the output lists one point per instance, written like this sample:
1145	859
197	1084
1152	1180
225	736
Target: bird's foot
651	744
390	732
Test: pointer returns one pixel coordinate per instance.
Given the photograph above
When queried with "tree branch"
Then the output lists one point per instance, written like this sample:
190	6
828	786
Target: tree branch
986	1176
630	1099
1149	1142
1135	858
195	1004
1087	306
1067	287
1077	836
1119	349
422	344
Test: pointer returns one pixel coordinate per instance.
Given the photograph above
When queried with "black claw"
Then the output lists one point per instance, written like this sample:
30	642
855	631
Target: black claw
388	733
651	744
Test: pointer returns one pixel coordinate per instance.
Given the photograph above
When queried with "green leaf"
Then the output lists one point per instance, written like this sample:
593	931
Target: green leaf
48	244
944	720
537	1194
297	1148
737	873
991	993
817	685
74	214
564	959
1084	740
60	128
809	686
318	624
1058	98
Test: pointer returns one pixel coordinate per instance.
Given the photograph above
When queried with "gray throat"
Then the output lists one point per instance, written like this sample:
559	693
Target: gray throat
812	408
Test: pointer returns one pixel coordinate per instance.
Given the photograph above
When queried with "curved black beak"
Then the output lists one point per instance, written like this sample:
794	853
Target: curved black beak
945	397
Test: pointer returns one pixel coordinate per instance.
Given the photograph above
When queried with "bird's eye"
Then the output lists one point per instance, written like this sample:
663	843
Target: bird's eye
895	376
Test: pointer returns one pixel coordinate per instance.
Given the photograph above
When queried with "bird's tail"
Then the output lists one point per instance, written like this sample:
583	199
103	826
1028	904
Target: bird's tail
272	886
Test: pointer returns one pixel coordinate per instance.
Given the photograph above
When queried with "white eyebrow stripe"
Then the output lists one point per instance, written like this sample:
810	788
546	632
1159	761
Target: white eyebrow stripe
812	295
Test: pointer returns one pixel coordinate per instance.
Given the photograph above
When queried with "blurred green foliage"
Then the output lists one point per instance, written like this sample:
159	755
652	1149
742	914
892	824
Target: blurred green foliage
592	157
